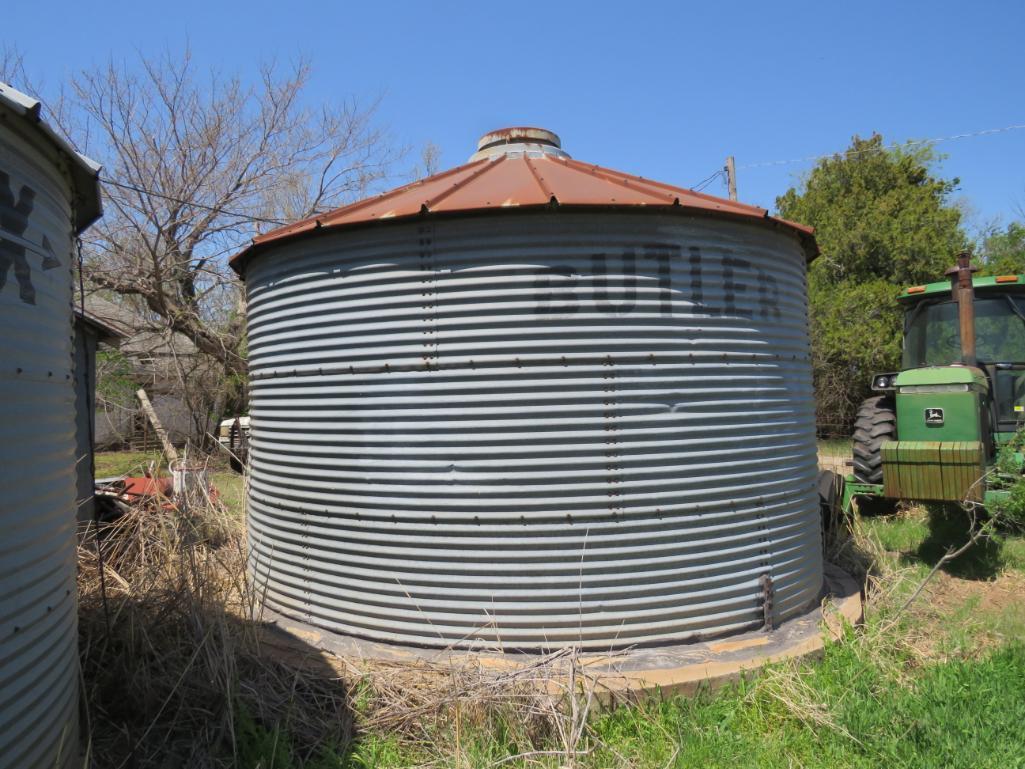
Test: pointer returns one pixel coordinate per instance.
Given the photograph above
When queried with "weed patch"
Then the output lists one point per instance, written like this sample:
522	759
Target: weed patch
178	671
174	672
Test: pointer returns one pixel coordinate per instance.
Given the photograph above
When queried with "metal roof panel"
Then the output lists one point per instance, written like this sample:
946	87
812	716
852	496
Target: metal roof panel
519	171
84	171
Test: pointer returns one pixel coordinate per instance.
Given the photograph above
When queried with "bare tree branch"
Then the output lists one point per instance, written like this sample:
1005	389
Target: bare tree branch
198	162
201	162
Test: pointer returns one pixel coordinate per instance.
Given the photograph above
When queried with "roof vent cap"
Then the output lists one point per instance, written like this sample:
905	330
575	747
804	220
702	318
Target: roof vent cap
506	141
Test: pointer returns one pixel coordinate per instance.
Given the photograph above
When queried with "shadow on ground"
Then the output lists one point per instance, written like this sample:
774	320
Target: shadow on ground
175	673
840	547
949	528
216	702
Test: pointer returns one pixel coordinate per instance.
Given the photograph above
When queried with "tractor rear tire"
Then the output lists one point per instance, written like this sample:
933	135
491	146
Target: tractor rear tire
829	485
876	424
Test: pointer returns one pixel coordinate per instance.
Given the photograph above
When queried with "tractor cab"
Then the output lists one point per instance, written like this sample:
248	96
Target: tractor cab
933	429
932	339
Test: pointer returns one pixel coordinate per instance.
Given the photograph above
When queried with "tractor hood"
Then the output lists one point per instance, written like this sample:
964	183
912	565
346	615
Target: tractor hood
942	377
942	434
941	403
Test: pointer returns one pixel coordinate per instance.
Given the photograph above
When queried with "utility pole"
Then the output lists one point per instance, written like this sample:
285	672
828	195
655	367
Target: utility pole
731	177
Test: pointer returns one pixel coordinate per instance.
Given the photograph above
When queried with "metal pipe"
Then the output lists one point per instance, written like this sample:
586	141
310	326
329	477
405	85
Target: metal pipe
964	293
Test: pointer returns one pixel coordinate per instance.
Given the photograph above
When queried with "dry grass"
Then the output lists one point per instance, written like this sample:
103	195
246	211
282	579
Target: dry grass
535	711
170	653
177	669
787	687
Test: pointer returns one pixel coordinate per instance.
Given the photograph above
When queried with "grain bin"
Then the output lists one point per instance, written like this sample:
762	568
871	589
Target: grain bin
532	403
48	193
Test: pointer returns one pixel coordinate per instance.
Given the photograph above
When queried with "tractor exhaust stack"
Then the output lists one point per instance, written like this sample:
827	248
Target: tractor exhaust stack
964	293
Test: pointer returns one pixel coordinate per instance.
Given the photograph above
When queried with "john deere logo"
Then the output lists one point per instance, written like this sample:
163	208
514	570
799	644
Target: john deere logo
934	416
14	215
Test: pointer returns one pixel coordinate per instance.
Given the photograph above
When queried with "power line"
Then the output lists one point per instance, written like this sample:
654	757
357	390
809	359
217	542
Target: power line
215	209
705	182
696	188
916	143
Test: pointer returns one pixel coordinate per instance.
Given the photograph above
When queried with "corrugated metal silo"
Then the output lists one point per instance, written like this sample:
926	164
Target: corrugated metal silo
532	403
48	193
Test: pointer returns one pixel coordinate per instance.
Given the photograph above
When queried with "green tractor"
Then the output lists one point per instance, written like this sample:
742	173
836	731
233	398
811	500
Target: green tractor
933	430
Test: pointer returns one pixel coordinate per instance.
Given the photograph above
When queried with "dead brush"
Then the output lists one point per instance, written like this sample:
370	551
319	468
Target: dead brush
170	653
538	710
166	681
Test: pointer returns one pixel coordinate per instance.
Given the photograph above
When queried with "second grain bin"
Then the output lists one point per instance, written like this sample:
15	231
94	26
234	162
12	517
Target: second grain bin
48	194
533	403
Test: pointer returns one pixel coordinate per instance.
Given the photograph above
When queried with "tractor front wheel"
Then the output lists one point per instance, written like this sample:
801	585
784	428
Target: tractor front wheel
876	424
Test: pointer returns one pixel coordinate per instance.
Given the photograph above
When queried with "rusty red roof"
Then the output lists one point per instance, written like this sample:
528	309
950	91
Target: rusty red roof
517	168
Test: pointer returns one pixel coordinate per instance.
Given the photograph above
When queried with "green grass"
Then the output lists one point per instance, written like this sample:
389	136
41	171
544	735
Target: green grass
1014	552
925	533
835	446
966	713
230	485
1007	624
110	463
898	533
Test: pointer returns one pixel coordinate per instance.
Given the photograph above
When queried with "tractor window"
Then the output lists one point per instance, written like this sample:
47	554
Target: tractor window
932	337
1010	393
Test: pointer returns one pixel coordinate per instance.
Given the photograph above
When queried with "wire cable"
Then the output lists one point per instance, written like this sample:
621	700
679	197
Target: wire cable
896	145
215	209
705	182
696	187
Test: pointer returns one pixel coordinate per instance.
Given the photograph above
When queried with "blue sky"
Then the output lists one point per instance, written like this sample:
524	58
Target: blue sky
661	89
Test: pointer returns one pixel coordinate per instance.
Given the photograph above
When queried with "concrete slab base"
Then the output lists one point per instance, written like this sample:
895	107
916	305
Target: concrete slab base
674	669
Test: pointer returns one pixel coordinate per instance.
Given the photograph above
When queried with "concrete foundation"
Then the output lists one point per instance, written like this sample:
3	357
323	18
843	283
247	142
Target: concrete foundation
674	669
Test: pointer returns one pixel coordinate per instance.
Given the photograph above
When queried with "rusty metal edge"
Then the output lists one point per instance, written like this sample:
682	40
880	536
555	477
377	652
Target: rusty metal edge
724	660
804	235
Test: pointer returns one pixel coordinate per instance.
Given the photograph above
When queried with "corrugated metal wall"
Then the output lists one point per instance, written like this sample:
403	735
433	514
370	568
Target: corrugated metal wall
38	631
533	430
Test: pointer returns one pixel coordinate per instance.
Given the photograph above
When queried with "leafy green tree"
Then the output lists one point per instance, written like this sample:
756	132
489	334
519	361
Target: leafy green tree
879	212
883	219
856	331
116	380
1003	253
